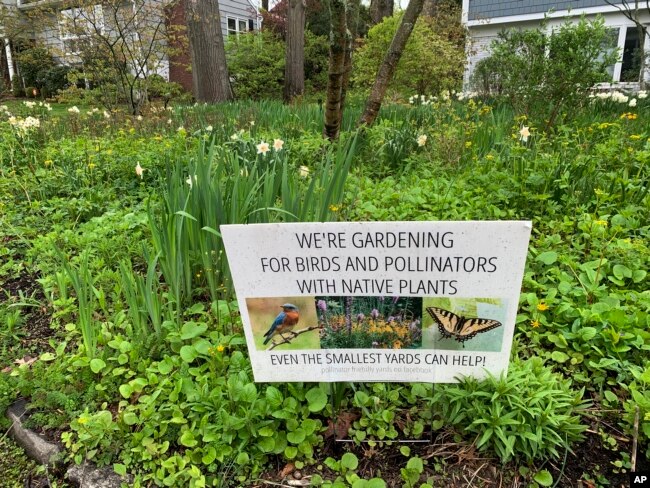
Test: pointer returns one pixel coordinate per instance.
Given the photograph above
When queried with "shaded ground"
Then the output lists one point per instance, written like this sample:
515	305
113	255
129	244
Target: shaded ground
26	308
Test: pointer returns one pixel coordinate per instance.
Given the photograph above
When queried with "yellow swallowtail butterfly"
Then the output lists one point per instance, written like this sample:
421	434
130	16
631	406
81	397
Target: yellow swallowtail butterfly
460	328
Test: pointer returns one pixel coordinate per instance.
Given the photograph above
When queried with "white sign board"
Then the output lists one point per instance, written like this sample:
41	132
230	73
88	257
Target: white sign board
377	301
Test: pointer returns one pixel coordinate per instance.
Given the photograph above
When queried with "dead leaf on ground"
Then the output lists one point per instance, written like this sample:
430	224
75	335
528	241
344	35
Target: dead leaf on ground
27	360
342	425
286	471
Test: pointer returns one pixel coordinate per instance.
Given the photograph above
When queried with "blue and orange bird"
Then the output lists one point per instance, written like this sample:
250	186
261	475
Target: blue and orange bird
283	322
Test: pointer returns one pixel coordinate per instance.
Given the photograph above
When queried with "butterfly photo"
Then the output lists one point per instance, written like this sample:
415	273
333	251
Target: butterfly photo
460	328
464	323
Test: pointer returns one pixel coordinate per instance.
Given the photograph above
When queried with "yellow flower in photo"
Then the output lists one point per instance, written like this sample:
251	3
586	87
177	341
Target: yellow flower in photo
534	324
542	307
220	348
334	208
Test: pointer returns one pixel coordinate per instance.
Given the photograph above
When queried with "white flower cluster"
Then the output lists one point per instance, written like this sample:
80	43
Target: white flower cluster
44	105
422	100
615	96
74	110
444	96
5	110
642	94
26	124
92	111
466	95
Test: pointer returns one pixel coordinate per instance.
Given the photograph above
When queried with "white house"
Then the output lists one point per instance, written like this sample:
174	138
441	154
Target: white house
484	19
61	32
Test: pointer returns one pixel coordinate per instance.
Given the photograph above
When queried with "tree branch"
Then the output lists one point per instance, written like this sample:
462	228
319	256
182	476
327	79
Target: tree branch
293	334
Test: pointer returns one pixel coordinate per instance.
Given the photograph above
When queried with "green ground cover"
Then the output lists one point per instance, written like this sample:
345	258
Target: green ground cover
118	320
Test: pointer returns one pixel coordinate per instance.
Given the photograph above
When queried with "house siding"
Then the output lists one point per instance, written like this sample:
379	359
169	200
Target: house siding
236	9
489	9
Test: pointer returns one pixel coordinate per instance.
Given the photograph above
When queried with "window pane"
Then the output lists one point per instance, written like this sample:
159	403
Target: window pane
242	26
251	25
232	24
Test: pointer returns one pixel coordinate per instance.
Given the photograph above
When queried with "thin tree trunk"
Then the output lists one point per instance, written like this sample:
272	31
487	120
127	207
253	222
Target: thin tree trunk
389	64
338	36
210	77
353	21
380	9
294	69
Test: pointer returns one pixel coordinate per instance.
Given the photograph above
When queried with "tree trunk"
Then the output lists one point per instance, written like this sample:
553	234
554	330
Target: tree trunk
380	9
294	69
430	7
353	21
210	77
388	65
338	39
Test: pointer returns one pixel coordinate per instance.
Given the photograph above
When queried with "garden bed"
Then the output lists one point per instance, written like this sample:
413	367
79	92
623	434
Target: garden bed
119	324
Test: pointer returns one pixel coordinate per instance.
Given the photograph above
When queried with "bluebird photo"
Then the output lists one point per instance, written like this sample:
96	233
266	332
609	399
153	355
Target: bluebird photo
283	323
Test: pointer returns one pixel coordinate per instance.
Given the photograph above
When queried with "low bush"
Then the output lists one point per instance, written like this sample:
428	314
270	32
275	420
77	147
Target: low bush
532	412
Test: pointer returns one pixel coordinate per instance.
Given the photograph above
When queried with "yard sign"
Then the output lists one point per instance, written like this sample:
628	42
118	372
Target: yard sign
377	301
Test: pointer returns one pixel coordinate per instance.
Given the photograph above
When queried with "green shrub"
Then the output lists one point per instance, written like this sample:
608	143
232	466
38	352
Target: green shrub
256	65
532	411
429	63
32	61
53	79
545	75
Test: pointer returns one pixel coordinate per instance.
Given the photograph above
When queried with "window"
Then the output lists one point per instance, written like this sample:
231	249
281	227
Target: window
631	55
77	24
237	26
609	46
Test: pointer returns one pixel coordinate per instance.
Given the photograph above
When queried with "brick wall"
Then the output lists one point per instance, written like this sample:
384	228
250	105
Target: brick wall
179	60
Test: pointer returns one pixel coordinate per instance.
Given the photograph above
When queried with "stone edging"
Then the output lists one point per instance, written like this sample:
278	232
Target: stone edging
86	475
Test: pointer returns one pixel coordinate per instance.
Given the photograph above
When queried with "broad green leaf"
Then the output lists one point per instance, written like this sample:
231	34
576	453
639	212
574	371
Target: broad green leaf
291	452
544	478
415	463
559	356
296	437
96	365
192	329
187	439
621	271
349	461
130	418
547	257
188	353
126	390
317	399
